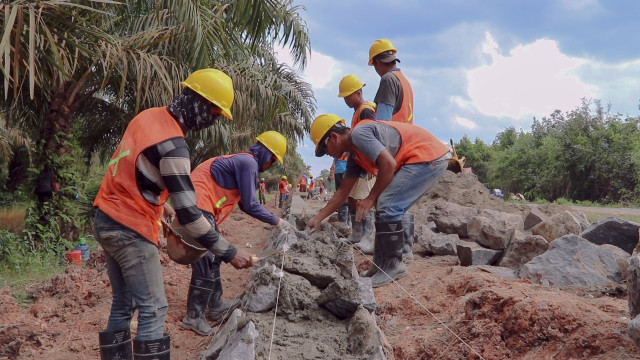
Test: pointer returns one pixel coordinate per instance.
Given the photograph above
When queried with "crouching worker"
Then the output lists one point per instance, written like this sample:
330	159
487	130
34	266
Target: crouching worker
408	161
150	164
221	183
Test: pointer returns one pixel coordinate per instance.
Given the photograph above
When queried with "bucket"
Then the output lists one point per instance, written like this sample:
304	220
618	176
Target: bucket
74	257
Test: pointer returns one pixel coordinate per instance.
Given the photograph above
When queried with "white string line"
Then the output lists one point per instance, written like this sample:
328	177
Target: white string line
275	312
411	296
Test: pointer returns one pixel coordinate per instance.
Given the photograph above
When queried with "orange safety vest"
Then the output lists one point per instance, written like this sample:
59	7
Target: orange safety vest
210	196
356	114
418	145
312	184
282	186
405	114
119	196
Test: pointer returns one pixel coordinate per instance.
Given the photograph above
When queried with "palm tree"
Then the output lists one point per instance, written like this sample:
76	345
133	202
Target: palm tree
75	59
82	69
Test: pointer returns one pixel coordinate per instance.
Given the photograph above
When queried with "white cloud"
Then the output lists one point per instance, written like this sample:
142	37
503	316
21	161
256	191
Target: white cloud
533	79
465	123
320	70
578	5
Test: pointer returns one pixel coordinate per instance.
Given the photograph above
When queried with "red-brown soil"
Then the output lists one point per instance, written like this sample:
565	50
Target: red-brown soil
478	312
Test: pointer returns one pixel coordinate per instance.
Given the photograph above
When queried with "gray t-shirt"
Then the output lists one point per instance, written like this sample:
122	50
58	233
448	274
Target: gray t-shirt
370	139
390	91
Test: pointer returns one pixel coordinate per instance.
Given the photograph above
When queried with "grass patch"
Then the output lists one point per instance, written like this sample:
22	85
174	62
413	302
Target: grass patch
33	269
12	218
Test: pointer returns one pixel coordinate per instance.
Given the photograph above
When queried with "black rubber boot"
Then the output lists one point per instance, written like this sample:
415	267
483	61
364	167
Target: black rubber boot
157	349
366	241
115	345
343	214
199	293
389	244
218	307
356	228
409	238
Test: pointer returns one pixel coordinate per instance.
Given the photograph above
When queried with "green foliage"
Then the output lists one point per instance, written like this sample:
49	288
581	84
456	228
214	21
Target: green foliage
586	155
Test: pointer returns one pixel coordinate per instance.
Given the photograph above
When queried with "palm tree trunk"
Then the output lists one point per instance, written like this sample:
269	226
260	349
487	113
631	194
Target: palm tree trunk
58	123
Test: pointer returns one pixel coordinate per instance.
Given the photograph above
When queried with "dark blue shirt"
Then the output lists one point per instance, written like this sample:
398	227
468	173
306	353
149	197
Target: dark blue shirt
241	172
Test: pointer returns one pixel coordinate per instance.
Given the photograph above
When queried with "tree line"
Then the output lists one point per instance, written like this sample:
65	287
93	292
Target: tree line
586	154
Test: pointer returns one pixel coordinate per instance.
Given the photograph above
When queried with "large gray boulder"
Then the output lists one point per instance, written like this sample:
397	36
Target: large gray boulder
522	248
534	217
572	261
621	233
471	253
494	229
558	225
436	243
452	218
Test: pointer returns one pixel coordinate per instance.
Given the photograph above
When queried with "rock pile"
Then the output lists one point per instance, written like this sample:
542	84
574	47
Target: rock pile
323	309
550	245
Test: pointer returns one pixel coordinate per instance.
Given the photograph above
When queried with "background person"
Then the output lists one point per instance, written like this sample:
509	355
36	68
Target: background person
262	191
362	234
45	187
284	192
394	98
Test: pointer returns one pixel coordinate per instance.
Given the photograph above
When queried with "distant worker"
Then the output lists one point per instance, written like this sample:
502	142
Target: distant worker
395	95
45	187
221	183
151	164
302	184
284	192
408	159
350	88
311	187
338	167
262	191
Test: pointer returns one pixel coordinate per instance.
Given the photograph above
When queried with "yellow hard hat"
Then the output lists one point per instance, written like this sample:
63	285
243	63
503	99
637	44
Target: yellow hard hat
275	142
349	84
379	46
284	177
213	85
320	126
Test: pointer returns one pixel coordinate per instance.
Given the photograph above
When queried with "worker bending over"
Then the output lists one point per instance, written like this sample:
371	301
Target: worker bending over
408	161
221	183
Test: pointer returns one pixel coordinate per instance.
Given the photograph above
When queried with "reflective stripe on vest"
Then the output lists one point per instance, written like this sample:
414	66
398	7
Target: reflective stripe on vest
119	196
210	196
418	145
405	114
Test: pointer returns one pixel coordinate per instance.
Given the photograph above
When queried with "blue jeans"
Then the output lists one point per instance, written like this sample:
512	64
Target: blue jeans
408	185
133	265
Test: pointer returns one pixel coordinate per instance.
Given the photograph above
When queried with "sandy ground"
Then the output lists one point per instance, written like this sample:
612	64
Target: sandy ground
440	311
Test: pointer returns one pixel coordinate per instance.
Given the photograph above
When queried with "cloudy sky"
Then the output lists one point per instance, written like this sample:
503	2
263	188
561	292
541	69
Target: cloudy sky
478	66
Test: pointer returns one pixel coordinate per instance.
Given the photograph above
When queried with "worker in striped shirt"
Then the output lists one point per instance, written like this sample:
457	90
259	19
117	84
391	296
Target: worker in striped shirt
150	165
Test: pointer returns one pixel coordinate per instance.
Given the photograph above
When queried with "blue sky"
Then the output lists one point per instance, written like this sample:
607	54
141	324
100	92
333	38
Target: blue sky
478	67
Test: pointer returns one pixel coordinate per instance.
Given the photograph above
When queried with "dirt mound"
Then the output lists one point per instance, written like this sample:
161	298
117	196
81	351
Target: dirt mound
496	317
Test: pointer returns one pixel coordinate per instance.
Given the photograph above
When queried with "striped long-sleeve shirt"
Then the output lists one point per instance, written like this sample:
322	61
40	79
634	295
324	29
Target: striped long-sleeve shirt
167	165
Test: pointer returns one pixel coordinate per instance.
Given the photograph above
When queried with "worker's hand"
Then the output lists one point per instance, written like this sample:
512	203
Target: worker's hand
242	260
362	208
330	178
284	225
314	224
